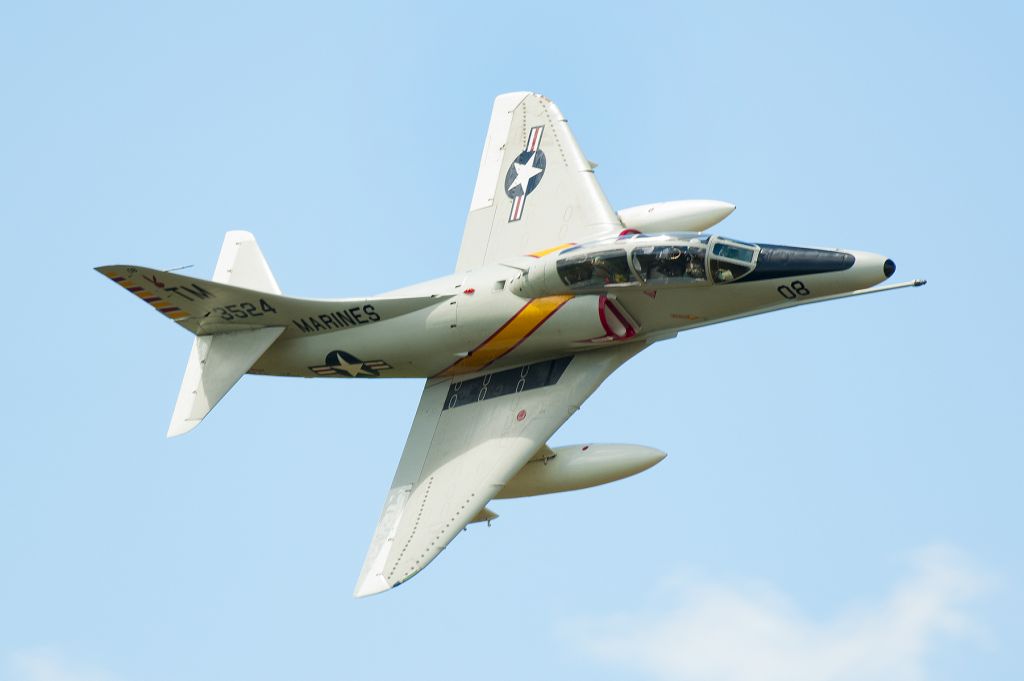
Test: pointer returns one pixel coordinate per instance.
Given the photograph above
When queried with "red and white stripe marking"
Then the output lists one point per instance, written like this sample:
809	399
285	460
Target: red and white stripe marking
533	141
517	208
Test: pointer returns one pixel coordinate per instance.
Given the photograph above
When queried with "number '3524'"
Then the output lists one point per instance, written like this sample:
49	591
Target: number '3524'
243	310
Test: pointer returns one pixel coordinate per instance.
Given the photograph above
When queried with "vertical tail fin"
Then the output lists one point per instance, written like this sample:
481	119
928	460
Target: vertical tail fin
218	361
241	263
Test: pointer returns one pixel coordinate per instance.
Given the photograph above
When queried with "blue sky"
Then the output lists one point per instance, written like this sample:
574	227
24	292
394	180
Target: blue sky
842	494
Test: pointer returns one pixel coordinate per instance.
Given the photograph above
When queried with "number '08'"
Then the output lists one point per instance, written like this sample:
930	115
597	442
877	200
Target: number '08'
795	289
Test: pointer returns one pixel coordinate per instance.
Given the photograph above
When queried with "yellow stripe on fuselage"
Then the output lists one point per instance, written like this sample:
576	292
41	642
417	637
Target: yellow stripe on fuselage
541	254
510	335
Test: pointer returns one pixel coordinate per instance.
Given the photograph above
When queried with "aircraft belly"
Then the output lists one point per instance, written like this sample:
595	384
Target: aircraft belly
408	347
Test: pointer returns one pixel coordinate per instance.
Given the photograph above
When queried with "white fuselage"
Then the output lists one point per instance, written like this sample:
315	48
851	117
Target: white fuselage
512	314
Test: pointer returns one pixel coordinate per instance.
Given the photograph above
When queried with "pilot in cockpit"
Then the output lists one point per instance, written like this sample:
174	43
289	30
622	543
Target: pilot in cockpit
671	262
695	265
610	270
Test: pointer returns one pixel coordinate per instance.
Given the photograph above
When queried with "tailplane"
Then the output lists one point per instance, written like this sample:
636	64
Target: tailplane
214	366
237	316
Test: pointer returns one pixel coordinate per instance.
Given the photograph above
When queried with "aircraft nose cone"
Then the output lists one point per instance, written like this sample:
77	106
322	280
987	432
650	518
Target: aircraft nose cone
889	268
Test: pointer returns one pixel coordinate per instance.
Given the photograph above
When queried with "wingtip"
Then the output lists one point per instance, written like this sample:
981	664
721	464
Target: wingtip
180	427
510	100
371	586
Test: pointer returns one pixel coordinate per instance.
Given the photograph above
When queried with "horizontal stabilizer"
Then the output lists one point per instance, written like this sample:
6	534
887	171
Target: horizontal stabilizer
212	307
214	366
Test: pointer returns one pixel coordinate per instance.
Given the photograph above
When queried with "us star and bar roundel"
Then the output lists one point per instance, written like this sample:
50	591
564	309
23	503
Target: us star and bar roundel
525	173
341	363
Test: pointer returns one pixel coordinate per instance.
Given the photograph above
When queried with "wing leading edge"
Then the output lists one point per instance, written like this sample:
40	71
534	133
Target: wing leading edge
469	437
535	189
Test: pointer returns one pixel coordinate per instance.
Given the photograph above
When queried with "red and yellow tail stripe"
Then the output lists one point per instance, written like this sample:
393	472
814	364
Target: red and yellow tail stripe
164	307
506	339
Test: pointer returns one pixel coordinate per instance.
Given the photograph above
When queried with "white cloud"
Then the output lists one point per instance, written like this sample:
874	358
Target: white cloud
47	664
722	632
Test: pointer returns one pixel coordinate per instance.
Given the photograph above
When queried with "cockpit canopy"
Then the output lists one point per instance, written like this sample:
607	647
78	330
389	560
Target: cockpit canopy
657	261
596	269
671	263
731	260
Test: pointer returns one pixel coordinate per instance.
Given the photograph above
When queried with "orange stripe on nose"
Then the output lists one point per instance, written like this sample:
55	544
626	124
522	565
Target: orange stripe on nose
509	336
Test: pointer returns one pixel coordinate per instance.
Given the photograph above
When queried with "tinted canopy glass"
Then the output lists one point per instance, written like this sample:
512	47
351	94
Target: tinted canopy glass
670	263
598	269
731	260
734	251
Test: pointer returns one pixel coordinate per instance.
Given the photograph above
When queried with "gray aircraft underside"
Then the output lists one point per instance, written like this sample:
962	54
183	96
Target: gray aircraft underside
553	291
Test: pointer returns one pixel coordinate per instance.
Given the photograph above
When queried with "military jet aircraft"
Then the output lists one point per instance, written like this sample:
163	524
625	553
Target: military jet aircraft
553	290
